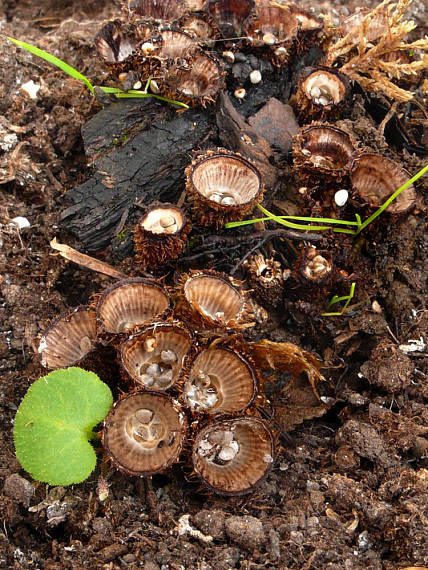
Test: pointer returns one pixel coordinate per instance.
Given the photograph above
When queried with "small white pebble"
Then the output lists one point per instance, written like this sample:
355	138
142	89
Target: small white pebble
229	56
21	222
210	400
31	88
341	197
413	345
255	76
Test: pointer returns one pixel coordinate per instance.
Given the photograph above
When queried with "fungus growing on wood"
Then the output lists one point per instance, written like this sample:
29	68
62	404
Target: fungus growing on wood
224	186
160	235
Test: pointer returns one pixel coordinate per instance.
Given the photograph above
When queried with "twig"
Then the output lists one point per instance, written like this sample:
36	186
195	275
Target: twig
247	255
85	260
392	111
267	234
211	244
392	334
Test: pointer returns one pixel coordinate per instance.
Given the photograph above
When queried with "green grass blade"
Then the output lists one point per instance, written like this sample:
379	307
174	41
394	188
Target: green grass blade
54	61
301	218
290	224
134	94
392	198
320	220
142	95
359	224
337	299
111	90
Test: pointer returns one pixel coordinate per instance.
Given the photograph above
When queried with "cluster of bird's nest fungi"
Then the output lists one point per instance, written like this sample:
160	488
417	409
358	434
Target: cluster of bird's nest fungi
191	49
196	387
191	378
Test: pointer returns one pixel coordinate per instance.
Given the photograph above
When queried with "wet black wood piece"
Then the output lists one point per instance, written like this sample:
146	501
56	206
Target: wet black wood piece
139	150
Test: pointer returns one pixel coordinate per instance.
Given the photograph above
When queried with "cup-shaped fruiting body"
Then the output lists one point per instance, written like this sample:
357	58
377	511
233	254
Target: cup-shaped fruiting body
224	187
154	358
144	432
69	339
230	16
198	82
176	44
160	235
220	381
321	91
315	267
212	300
266	279
131	303
199	26
232	456
194	5
310	28
158	10
375	178
275	27
118	44
307	21
322	151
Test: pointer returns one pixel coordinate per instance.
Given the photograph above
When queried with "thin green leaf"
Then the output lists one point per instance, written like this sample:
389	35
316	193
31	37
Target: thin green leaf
111	90
54	61
301	218
360	225
392	198
290	224
335	299
142	94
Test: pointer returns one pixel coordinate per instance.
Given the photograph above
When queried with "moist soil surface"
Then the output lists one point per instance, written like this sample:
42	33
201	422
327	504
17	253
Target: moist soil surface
349	487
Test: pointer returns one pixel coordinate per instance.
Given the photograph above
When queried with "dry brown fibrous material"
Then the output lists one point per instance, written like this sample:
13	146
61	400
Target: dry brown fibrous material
286	356
363	56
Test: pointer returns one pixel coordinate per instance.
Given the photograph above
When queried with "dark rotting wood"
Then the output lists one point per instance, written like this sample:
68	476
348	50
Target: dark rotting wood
139	150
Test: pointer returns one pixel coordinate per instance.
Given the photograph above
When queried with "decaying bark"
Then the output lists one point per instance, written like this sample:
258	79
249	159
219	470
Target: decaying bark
139	151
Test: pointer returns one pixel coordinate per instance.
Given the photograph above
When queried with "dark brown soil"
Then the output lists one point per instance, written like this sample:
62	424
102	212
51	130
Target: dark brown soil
351	489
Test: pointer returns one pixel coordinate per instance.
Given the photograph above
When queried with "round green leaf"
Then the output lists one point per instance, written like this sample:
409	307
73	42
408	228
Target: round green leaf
54	423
